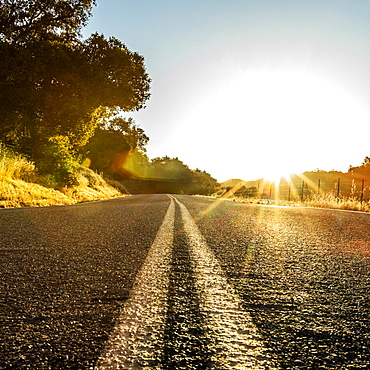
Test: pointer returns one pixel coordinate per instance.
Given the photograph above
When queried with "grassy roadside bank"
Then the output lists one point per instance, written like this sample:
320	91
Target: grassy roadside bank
19	193
20	185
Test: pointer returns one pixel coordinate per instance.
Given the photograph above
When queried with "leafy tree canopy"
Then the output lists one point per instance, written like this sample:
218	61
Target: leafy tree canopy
170	169
113	143
22	20
50	88
55	87
178	177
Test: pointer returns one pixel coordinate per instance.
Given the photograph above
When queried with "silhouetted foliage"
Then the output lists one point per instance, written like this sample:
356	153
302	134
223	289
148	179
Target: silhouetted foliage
22	20
170	169
112	144
55	89
202	183
49	88
170	175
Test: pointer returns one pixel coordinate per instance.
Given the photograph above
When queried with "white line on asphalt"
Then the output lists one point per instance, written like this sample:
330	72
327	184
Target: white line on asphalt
233	335
136	342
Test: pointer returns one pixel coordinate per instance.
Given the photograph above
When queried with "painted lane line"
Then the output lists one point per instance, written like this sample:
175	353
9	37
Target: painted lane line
233	336
137	340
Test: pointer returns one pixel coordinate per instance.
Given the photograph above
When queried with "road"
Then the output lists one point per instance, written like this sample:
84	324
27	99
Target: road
180	282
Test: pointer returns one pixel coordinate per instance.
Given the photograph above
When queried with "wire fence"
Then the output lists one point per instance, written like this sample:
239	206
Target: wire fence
304	188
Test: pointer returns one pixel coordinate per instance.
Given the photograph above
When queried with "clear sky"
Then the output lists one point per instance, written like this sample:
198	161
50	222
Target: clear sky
250	88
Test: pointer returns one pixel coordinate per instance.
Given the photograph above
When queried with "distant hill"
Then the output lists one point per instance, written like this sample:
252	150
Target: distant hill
239	187
238	183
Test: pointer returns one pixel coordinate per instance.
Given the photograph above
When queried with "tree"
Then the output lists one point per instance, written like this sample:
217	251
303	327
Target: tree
36	45
22	20
56	88
66	89
170	169
134	135
202	183
181	177
138	163
112	145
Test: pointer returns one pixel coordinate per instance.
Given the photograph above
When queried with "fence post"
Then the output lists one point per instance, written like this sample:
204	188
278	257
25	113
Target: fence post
302	190
362	189
318	186
338	185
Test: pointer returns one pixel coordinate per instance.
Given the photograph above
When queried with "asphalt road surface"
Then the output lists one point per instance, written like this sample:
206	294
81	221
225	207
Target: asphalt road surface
180	282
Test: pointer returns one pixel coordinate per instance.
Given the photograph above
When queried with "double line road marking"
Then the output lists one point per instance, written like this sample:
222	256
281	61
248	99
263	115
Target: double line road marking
137	341
138	334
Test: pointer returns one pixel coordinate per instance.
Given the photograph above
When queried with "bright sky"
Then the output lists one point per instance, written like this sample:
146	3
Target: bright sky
250	88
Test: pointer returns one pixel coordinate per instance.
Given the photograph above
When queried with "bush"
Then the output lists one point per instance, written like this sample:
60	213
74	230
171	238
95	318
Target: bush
15	166
57	162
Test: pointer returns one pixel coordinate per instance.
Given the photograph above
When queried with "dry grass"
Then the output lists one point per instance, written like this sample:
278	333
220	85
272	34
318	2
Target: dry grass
19	187
14	166
330	201
317	201
90	186
19	193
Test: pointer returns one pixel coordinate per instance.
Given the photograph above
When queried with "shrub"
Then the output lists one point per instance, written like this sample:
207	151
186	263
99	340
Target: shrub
57	162
15	166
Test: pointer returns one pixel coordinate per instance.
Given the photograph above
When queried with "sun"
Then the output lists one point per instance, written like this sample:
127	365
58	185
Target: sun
269	123
277	176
